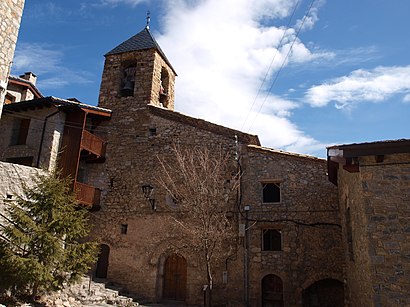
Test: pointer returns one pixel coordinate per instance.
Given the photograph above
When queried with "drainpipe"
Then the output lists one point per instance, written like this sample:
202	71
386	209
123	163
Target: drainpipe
246	256
42	136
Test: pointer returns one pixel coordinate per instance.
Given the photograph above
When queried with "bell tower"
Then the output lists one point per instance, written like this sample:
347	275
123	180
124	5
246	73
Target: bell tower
137	73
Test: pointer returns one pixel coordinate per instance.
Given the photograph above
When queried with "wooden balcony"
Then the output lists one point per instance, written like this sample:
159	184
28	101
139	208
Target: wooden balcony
87	195
94	145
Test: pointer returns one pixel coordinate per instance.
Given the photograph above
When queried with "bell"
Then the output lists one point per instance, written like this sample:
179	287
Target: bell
128	86
128	89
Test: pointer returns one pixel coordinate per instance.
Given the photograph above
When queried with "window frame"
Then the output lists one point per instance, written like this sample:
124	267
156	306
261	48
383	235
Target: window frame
272	243
278	183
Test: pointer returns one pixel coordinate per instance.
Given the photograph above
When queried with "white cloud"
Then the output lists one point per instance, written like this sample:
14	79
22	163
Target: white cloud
39	58
133	3
221	51
361	86
311	17
46	62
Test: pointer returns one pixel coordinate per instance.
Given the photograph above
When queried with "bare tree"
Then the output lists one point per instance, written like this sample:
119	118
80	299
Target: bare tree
203	184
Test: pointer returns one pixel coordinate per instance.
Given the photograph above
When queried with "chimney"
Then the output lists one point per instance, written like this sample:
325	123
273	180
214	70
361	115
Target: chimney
29	76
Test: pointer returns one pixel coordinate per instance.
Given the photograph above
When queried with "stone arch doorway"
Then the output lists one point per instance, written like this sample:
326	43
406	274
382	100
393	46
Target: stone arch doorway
272	291
324	293
175	278
103	261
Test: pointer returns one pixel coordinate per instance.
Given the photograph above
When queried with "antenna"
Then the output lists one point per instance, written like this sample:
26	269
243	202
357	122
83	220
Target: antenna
148	20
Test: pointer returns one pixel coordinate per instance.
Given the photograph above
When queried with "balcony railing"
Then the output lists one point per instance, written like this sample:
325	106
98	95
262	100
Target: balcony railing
87	195
93	144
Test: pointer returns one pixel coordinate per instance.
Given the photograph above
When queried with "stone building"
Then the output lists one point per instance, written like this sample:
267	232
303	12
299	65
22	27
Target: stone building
295	245
374	195
295	251
289	250
51	133
10	16
137	251
22	88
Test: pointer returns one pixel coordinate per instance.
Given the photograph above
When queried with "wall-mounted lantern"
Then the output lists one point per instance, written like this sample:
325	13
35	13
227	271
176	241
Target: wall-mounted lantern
147	190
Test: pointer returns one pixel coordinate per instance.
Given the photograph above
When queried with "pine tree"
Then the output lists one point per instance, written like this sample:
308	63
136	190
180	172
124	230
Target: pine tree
42	238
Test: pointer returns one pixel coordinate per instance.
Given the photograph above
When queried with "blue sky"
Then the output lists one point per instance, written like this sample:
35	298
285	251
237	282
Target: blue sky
344	66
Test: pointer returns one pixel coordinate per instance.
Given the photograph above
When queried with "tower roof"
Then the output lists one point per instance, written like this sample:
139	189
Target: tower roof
140	41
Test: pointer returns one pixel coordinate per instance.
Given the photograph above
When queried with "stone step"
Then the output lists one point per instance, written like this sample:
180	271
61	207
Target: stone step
89	293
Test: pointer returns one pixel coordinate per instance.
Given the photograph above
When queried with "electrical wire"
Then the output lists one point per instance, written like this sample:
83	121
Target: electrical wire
271	63
283	63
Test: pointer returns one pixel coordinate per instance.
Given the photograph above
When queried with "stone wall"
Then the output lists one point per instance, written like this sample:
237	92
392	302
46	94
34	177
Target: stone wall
137	258
12	178
379	199
307	217
50	140
10	15
310	252
149	65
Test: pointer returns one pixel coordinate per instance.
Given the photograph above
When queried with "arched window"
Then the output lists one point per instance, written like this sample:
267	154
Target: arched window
271	240
163	90
128	81
272	291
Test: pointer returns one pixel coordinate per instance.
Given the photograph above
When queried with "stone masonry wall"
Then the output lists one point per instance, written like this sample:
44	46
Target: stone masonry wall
10	16
384	230
149	65
137	258
309	253
359	288
12	177
51	138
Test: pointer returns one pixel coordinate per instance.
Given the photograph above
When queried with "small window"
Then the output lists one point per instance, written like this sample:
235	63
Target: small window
152	131
9	99
20	131
271	192
124	229
272	240
27	161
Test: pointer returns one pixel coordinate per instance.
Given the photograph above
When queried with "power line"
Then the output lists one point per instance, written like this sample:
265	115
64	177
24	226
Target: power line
271	63
283	63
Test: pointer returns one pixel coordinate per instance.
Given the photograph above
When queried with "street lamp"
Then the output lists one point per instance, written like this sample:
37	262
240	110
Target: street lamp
147	190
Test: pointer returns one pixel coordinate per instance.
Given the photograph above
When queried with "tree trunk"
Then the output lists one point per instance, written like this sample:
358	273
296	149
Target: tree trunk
210	284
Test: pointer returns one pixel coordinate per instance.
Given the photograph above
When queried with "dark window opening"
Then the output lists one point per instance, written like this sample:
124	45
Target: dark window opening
9	196
9	99
124	229
20	131
163	90
272	240
152	131
27	161
271	193
128	81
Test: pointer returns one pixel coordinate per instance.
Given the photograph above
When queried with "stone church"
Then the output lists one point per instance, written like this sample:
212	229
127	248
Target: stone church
294	241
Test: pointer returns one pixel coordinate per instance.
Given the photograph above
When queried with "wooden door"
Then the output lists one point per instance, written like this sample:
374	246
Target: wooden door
272	291
175	272
102	263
